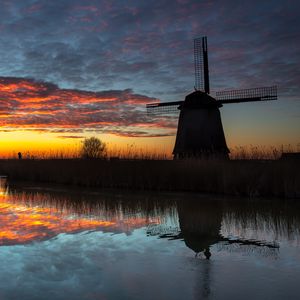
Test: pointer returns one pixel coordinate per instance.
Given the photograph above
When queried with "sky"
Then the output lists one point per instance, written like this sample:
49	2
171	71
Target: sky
71	69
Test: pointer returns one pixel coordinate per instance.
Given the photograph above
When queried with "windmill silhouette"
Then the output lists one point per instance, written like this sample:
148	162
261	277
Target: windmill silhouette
200	132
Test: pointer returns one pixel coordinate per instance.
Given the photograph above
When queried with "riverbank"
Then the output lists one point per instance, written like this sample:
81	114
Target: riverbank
252	178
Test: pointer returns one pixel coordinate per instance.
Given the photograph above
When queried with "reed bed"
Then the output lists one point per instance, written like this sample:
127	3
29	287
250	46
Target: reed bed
131	152
260	152
112	152
253	178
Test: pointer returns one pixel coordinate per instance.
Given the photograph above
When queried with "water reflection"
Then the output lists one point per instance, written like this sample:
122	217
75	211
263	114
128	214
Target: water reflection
28	217
200	223
138	245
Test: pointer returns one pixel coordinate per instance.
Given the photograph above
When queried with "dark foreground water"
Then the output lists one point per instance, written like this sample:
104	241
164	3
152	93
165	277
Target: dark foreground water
117	245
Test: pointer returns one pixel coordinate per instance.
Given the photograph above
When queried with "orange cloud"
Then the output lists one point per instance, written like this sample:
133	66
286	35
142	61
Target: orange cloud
28	104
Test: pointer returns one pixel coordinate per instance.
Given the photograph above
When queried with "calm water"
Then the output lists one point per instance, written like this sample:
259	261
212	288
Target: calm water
117	245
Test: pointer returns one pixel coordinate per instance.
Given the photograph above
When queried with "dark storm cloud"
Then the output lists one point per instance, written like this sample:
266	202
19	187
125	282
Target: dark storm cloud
147	45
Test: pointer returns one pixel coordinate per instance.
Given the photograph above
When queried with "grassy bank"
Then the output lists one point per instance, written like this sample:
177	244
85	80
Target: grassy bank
275	178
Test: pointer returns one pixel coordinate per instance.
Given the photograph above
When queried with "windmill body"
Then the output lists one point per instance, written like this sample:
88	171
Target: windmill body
200	132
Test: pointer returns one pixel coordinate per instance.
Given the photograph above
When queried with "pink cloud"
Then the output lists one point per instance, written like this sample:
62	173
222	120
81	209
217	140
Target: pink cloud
28	104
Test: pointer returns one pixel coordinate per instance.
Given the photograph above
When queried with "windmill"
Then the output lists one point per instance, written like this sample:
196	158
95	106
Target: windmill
200	132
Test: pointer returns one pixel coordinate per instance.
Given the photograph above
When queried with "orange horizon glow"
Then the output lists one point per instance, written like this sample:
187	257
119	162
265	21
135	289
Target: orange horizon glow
47	145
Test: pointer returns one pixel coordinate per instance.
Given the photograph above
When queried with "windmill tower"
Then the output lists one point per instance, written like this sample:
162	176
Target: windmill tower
200	132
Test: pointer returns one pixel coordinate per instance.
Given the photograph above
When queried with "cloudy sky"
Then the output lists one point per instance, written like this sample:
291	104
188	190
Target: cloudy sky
73	68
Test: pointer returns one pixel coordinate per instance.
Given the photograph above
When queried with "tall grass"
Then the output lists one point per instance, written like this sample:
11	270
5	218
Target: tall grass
260	152
252	171
112	151
132	152
241	177
72	153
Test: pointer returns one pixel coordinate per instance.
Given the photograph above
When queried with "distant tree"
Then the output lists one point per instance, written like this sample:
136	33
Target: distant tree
93	148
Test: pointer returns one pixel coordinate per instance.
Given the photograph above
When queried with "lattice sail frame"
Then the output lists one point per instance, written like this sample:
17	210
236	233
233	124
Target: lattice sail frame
247	95
198	64
163	108
201	64
223	97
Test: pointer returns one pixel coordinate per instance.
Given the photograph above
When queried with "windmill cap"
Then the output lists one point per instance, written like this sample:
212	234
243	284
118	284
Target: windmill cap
199	99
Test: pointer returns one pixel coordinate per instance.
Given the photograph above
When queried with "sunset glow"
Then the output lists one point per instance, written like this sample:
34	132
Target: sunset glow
22	222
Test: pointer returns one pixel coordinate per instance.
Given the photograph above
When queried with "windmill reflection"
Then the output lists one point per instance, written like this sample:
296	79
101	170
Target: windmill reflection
200	225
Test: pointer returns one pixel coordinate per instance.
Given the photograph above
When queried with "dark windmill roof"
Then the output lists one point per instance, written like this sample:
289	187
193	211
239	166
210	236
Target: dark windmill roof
199	99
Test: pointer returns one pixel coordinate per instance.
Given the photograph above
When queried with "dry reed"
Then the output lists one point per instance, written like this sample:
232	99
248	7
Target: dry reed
132	152
241	177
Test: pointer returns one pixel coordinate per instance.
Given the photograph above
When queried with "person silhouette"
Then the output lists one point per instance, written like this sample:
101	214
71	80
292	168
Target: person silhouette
20	155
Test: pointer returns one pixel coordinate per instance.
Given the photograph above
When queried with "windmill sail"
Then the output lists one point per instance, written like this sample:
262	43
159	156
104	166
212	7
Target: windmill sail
201	64
162	108
247	95
201	80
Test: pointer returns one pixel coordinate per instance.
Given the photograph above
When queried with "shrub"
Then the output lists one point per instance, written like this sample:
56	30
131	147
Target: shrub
93	148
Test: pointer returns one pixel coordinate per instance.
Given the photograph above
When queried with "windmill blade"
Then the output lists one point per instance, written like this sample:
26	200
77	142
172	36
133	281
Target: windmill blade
261	249
163	108
252	242
198	63
201	64
223	243
247	95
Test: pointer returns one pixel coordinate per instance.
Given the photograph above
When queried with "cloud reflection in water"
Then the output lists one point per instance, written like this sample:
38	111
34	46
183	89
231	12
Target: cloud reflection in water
23	222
